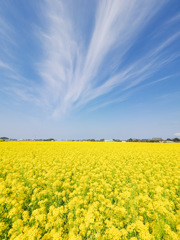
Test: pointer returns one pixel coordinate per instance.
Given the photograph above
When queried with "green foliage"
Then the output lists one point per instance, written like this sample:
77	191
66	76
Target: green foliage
176	140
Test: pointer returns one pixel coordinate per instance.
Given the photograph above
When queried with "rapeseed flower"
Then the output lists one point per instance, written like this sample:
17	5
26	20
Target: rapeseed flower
102	191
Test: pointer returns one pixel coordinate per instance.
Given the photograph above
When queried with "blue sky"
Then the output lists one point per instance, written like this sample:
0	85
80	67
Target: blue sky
89	69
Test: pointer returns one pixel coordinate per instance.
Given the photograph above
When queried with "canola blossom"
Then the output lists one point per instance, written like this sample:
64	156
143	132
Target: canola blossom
85	190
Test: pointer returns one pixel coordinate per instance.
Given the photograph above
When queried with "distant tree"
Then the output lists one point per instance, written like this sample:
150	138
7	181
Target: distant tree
168	139
116	140
4	138
153	141
176	140
49	139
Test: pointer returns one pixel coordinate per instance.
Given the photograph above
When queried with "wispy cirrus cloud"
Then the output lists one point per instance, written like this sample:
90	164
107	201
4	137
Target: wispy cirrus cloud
85	56
5	66
177	134
176	18
76	72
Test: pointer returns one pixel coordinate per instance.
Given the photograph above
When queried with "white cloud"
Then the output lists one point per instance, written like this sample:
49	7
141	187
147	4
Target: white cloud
175	18
5	66
75	71
72	70
177	134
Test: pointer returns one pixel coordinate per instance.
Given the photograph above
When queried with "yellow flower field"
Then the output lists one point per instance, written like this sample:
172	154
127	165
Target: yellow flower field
78	190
